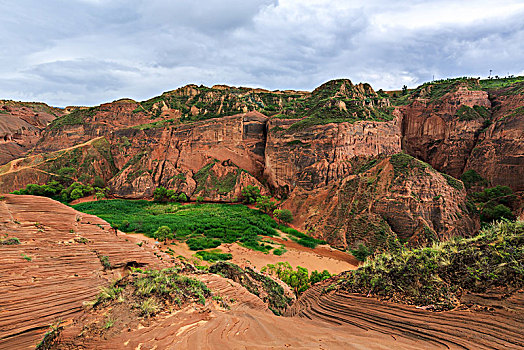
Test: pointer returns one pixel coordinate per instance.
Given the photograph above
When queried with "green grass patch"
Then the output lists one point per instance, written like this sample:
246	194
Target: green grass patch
202	226
213	255
301	238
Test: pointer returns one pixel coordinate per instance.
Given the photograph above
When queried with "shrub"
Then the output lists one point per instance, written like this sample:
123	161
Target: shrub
200	243
283	215
299	279
279	251
250	194
76	194
160	194
10	241
163	233
361	253
104	260
213	256
265	204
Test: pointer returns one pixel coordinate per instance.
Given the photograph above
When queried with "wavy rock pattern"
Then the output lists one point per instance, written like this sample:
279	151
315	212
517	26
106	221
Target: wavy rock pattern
64	270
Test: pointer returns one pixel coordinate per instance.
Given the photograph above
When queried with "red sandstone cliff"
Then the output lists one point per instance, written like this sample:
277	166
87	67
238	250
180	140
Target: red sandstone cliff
21	124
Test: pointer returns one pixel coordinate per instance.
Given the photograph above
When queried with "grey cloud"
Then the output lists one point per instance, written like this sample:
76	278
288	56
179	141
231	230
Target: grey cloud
89	51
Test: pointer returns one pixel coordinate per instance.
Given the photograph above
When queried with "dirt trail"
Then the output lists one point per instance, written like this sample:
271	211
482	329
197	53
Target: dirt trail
14	164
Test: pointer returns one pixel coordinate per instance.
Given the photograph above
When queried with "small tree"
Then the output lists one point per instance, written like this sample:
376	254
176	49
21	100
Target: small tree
265	204
76	194
250	194
163	233
283	215
182	197
160	194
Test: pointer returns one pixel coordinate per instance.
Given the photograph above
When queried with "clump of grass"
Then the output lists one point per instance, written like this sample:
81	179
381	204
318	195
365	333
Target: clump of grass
28	258
213	255
149	307
109	323
301	238
50	336
108	293
104	260
438	274
10	241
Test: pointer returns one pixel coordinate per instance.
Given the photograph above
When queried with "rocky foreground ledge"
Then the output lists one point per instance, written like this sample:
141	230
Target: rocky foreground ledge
57	259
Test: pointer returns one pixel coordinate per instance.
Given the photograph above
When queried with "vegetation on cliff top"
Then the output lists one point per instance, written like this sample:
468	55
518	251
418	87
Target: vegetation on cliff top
437	275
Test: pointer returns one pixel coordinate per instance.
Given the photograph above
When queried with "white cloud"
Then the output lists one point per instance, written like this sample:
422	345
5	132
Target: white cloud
89	51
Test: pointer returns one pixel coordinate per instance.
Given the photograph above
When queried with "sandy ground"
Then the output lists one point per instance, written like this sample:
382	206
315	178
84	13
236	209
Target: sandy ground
320	258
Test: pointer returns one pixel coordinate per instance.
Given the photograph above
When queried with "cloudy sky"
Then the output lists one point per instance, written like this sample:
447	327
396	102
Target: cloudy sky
85	52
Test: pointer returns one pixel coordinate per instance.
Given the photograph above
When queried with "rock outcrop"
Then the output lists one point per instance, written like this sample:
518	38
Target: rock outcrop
56	266
21	125
209	143
443	131
392	200
498	155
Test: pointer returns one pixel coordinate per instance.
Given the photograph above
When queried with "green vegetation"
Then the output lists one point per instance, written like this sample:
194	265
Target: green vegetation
76	117
57	191
488	84
471	178
163	195
435	90
258	284
361	253
28	258
283	215
112	292
439	274
50	336
299	280
301	238
213	255
152	290
104	260
168	284
456	184
494	203
403	164
477	112
203	226
163	233
265	204
279	251
208	182
10	241
250	194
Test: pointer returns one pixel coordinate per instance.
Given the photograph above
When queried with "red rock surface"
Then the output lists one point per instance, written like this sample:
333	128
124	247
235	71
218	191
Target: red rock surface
63	271
399	197
432	131
498	155
21	125
497	324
